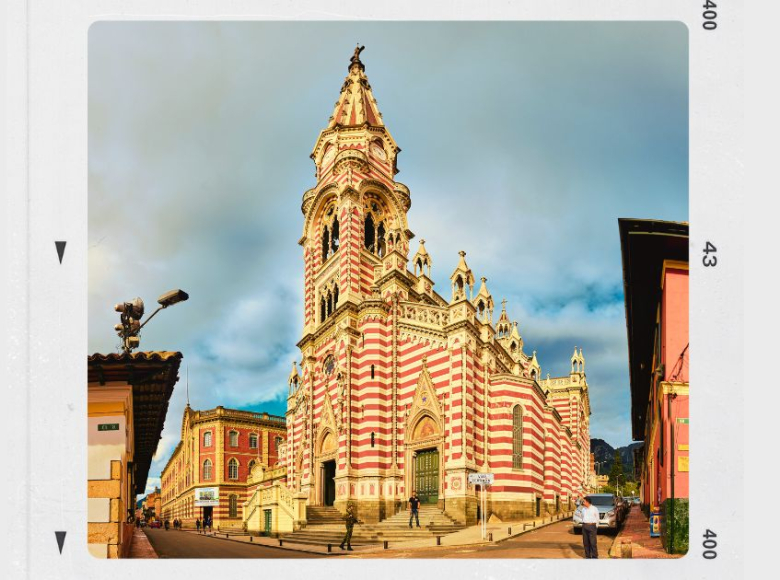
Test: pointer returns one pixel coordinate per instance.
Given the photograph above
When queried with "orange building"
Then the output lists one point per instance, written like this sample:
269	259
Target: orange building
655	278
208	471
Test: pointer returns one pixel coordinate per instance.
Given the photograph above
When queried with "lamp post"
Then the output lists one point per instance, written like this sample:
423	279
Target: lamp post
617	482
132	311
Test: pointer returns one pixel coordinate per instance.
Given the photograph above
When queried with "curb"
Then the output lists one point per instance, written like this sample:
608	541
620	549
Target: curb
299	550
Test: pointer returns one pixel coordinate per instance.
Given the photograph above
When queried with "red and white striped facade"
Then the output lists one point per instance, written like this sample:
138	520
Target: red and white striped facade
390	368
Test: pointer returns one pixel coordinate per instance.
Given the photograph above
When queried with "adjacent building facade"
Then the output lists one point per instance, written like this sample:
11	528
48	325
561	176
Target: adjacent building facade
655	278
399	387
127	401
218	450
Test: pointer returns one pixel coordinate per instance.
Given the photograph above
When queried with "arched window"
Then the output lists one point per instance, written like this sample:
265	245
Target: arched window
370	233
323	310
325	243
234	438
253	440
207	470
250	466
233	469
207	439
517	437
380	240
334	236
233	506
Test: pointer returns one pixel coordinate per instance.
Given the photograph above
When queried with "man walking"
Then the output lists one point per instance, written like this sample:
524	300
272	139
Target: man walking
590	523
350	521
197	524
414	509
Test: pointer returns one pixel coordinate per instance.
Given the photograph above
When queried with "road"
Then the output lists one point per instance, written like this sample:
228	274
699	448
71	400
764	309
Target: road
176	544
553	541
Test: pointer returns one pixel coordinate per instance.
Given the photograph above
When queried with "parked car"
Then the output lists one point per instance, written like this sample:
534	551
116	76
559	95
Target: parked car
609	512
635	500
155	524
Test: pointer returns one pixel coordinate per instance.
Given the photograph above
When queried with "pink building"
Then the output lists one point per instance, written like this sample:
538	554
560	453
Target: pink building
655	279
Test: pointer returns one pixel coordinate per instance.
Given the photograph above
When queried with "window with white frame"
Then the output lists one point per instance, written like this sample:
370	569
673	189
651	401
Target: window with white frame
233	469
207	439
253	440
207	470
233	438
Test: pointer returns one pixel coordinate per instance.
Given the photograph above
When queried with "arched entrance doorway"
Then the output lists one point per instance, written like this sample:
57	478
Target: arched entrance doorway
327	472
424	455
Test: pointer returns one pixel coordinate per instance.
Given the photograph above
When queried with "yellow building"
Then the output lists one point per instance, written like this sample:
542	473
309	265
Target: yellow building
127	400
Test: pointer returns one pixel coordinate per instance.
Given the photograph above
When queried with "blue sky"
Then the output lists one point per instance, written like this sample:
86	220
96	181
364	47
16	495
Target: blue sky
523	143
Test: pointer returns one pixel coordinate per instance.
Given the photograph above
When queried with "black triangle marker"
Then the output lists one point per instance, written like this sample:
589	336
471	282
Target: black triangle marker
60	249
60	535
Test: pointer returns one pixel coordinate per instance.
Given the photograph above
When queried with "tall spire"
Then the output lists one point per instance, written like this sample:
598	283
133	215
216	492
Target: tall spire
356	105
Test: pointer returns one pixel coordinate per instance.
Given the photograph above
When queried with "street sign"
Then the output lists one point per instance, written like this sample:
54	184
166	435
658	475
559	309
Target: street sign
108	426
481	478
683	420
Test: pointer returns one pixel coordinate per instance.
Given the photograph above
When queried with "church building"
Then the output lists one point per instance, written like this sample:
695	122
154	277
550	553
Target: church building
401	388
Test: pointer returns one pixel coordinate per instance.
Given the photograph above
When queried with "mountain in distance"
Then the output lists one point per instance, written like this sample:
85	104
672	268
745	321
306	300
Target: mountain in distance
604	452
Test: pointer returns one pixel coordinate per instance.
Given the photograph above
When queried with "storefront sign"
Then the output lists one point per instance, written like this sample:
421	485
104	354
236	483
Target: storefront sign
108	427
207	497
684	420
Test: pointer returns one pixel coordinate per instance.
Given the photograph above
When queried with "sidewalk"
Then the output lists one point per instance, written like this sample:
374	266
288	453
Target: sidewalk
636	530
286	545
140	546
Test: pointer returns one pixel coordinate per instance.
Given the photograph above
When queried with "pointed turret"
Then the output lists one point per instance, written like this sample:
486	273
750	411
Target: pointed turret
577	362
356	104
462	277
503	326
294	380
422	261
515	341
483	302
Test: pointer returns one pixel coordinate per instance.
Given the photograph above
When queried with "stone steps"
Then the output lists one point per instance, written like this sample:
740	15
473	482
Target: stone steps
326	526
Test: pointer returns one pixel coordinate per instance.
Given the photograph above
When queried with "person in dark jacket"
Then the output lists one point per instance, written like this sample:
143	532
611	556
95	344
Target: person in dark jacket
197	525
350	520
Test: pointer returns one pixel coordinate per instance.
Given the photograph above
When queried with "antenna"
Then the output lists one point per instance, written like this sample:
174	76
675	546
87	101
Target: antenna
188	384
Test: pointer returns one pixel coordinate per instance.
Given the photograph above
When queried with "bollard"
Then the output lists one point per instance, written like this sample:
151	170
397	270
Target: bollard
227	536
509	531
280	541
330	547
385	544
438	540
490	536
251	539
534	524
626	549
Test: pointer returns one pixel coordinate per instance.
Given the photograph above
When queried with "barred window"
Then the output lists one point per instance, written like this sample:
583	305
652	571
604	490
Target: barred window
233	469
233	506
253	440
234	438
207	469
517	437
207	439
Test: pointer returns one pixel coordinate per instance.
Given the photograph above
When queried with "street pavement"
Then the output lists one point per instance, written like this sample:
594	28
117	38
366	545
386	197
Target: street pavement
553	541
179	544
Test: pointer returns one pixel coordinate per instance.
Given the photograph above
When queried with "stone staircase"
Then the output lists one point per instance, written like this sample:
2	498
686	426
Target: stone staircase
326	526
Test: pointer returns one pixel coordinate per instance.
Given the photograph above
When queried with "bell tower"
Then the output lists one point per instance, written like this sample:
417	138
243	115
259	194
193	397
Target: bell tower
355	221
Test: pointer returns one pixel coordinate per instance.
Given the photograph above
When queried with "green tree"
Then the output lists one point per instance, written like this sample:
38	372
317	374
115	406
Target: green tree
617	470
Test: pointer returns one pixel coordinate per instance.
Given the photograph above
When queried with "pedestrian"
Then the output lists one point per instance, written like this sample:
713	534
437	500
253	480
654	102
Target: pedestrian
414	509
197	524
167	524
590	523
350	519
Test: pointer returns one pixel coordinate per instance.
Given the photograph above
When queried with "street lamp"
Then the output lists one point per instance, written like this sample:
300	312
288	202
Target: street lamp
132	311
617	482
